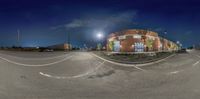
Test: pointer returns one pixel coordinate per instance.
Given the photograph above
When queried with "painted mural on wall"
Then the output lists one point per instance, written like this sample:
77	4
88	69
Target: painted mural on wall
139	47
139	41
111	45
116	46
149	44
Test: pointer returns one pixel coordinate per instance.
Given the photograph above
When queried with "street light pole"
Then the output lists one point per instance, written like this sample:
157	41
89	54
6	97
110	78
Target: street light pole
69	41
18	38
100	37
164	38
179	45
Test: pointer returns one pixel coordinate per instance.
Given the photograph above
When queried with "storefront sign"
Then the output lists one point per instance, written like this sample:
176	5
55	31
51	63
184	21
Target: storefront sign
137	36
121	37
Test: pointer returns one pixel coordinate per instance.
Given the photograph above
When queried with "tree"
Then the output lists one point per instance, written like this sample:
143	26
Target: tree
99	46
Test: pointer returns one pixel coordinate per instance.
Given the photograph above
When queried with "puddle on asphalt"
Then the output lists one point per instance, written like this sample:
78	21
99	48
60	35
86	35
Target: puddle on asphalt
23	77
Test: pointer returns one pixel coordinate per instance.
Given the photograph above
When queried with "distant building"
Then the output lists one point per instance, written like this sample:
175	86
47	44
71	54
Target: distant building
197	46
138	40
61	47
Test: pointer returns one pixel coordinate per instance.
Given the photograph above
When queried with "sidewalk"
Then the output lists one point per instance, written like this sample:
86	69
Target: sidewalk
134	58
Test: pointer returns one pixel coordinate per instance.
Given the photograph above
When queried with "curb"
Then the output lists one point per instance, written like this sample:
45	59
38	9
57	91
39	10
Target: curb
133	65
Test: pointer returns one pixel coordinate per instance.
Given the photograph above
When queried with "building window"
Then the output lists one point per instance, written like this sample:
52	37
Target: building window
137	36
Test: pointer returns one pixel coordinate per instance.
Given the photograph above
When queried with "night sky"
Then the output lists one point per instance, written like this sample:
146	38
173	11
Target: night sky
47	22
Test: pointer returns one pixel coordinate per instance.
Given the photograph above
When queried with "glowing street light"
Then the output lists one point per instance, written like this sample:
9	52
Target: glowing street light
165	32
100	35
177	42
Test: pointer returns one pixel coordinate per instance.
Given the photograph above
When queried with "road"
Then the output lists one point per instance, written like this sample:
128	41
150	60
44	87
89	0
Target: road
81	75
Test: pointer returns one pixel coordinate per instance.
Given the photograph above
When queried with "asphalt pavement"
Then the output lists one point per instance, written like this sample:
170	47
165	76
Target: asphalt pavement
81	75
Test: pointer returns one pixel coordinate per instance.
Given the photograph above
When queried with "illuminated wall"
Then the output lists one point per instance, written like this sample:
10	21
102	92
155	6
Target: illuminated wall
138	41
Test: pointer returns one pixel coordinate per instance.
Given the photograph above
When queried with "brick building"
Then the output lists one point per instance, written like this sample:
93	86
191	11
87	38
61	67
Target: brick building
61	47
138	40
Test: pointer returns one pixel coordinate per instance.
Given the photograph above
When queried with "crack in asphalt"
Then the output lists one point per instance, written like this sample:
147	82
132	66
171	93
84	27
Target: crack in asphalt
110	72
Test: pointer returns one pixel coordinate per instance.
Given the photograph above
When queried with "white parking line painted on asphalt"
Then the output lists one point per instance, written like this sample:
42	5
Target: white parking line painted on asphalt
198	56
47	75
73	77
174	72
196	63
40	65
126	65
48	58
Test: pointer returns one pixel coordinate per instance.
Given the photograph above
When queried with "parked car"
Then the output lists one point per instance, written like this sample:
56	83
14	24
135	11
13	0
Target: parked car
48	50
183	50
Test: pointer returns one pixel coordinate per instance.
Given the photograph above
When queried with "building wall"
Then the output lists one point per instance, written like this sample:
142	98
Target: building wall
139	40
126	45
60	47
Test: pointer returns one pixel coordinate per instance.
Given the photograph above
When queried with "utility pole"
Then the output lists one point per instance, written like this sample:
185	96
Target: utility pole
69	41
165	34
165	37
18	38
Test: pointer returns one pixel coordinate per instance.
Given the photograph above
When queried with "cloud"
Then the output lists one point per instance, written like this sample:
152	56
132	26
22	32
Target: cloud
104	21
75	24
